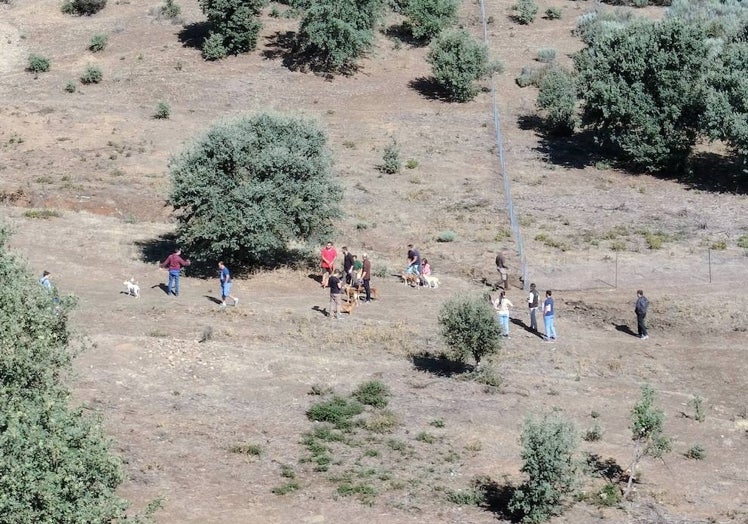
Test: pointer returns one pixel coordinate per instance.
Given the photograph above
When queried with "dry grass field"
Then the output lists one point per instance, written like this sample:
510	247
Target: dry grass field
207	407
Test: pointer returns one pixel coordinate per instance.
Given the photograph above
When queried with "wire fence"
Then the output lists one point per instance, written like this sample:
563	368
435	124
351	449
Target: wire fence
513	222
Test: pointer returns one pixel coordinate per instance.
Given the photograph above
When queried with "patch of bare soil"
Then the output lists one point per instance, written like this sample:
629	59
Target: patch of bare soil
180	383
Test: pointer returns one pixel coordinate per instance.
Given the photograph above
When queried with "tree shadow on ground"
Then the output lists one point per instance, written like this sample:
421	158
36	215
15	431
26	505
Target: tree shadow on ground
607	469
429	88
193	35
439	365
403	33
285	45
576	151
279	45
496	498
623	328
716	173
157	249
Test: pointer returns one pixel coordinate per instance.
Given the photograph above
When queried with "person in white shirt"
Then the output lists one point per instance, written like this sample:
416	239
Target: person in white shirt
502	305
533	301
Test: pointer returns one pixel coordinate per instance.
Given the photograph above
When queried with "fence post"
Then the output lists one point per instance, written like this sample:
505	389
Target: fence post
710	264
616	282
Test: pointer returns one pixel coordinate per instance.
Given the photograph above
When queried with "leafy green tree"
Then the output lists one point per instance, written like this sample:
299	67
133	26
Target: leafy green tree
83	7
56	465
647	432
548	448
558	97
721	18
250	186
333	34
427	18
644	90
469	328
458	61
234	24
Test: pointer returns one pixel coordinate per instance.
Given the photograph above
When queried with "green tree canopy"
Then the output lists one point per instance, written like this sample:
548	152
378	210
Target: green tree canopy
427	18
234	25
250	186
469	328
55	464
458	61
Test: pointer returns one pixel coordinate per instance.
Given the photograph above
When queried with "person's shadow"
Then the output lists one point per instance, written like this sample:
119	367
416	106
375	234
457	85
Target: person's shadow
320	310
213	299
527	328
163	287
623	328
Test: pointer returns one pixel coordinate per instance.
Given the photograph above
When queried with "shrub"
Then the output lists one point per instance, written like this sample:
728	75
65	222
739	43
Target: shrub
391	163
92	75
646	429
609	495
696	452
697	403
593	434
743	241
83	7
718	245
526	10
412	164
250	186
553	13
338	411
38	64
428	18
70	87
548	447
98	42
531	76
373	393
333	34
213	48
557	96
170	9
546	55
446	236
163	111
56	465
469	328
234	23
458	61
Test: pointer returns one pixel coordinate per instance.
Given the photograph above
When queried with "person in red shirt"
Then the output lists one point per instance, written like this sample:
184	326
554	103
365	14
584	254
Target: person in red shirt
174	263
329	254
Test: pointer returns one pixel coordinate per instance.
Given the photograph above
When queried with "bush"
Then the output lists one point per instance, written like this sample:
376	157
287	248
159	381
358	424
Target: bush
458	61
250	186
70	87
163	111
391	163
92	75
170	9
333	34
213	48
373	393
530	76
234	23
553	13
696	452
98	42
38	64
446	236
56	465
526	10
557	96
699	412
428	18
743	241
646	428
546	55
609	496
548	448
338	411
469	328
593	434
83	7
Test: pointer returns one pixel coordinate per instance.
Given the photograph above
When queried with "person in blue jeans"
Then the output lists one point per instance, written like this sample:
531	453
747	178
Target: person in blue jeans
225	279
174	263
548	313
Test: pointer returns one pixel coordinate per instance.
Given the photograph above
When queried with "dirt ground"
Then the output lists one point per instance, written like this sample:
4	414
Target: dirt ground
176	407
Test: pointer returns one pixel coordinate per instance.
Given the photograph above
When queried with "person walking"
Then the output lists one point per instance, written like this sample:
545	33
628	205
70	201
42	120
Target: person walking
414	261
328	254
174	263
336	294
533	301
45	282
502	305
366	278
549	312
642	304
225	279
503	270
348	265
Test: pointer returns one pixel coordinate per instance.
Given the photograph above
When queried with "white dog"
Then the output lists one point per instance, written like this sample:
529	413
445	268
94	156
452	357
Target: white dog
430	281
133	289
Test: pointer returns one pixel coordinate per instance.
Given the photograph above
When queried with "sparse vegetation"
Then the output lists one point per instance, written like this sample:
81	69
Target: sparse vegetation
411	163
553	13
92	75
696	452
391	163
70	86
525	11
38	64
699	411
647	432
254	450
743	241
83	7
609	495
338	411
458	61
162	111
373	393
546	55
42	213
98	42
593	434
446	236
170	10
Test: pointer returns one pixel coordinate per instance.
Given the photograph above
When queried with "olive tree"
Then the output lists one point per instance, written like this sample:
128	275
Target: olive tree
250	186
469	328
458	61
234	26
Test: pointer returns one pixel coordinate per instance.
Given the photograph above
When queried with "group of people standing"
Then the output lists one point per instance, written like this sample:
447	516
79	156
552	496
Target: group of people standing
355	273
502	305
417	266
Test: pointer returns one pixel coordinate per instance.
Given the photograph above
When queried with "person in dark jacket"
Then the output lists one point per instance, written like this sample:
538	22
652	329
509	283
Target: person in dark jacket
347	265
642	304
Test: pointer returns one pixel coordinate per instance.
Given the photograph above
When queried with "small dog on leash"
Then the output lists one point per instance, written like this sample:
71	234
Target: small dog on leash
133	289
430	281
